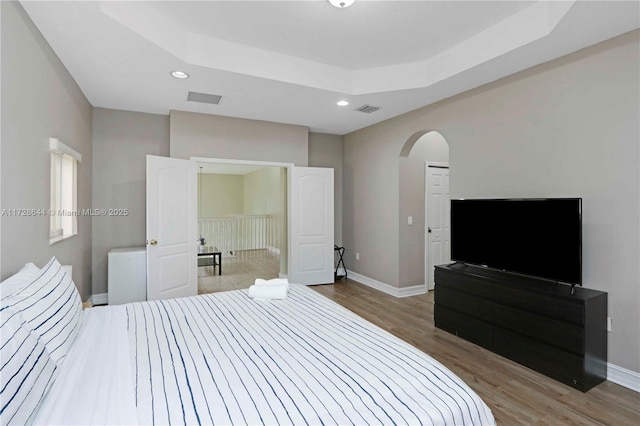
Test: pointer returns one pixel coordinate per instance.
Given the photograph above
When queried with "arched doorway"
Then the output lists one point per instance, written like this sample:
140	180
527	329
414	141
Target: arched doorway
424	206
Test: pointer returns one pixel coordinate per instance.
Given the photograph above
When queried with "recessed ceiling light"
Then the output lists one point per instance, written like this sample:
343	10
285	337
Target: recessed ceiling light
343	103
341	4
179	74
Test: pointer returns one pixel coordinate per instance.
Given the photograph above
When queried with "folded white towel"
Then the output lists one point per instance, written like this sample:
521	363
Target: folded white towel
274	281
268	292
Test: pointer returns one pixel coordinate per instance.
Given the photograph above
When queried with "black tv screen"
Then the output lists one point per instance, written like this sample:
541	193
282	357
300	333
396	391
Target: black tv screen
539	237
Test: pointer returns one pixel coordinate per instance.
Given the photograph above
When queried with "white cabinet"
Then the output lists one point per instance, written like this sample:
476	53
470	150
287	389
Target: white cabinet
127	279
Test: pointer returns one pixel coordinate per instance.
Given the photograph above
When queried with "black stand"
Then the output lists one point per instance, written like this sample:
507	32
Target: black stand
340	251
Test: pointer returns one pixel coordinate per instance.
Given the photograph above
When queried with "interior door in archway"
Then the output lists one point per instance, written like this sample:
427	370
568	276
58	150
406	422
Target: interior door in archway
438	232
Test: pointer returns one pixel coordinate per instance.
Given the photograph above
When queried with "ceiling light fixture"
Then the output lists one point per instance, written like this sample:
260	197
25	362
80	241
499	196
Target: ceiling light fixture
179	74
343	103
342	4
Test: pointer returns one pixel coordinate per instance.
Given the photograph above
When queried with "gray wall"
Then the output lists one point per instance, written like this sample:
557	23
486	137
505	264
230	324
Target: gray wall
121	142
370	194
569	127
325	150
215	136
40	100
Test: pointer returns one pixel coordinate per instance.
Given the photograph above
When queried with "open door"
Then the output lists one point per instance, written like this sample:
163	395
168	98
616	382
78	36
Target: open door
311	248
171	228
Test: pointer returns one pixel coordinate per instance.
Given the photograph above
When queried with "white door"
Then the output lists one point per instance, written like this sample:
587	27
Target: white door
438	232
171	228
311	249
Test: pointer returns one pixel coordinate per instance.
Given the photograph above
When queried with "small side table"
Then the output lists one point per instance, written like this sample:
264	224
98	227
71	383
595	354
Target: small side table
214	254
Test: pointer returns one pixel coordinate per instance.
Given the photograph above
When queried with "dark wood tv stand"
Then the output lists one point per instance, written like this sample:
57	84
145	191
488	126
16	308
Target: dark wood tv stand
534	322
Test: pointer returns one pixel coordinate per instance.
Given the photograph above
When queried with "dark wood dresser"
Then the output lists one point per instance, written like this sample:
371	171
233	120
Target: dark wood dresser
534	322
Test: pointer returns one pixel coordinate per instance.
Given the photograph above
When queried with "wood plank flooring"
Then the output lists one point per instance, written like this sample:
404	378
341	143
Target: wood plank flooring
515	394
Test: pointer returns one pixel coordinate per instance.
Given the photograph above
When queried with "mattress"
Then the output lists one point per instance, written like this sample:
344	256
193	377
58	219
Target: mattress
225	358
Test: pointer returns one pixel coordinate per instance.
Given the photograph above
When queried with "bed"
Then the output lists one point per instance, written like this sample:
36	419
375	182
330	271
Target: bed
225	358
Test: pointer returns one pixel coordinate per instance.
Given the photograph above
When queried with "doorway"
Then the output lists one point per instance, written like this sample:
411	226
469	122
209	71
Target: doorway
437	219
309	226
419	251
242	215
307	220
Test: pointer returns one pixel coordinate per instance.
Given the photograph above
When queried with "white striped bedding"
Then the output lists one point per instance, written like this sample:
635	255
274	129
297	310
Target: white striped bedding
40	317
51	306
227	359
26	369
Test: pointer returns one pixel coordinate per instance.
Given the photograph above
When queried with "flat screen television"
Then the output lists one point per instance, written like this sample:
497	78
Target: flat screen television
537	237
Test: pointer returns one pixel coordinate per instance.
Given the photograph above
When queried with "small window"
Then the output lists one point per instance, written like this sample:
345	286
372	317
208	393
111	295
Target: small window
64	187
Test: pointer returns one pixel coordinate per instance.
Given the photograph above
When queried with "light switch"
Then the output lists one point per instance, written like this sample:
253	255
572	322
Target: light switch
410	220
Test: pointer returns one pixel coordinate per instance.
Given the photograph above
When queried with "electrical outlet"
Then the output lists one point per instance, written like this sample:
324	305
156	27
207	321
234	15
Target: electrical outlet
357	256
609	324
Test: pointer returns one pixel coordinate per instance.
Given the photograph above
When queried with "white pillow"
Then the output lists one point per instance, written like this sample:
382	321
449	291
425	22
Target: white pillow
27	370
19	279
52	307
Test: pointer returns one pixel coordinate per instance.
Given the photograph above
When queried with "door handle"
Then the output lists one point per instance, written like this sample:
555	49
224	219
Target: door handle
429	230
153	242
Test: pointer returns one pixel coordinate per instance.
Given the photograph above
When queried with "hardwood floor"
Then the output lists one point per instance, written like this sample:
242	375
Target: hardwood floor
515	394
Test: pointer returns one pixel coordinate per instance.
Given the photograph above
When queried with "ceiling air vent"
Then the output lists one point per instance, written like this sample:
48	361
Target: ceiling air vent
204	98
368	109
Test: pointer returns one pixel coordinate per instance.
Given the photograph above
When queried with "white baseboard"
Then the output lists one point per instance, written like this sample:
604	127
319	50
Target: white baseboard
99	299
623	377
386	288
413	290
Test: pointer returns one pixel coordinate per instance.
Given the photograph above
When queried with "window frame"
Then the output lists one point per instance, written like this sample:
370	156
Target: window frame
63	212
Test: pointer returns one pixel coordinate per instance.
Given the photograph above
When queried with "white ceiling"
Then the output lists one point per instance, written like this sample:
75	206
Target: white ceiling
291	61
